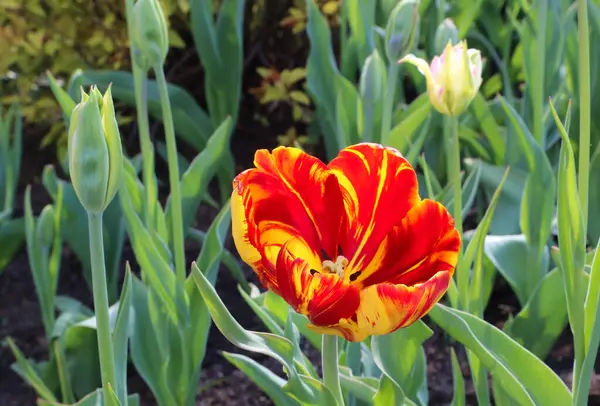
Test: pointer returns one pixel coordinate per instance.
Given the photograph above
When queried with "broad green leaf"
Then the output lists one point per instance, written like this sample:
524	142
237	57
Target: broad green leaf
266	380
571	237
91	399
506	218
191	122
399	355
591	331
543	318
521	373
146	345
510	255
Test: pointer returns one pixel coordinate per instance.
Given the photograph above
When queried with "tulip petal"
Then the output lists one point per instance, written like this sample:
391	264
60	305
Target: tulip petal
379	187
324	298
423	244
288	195
386	307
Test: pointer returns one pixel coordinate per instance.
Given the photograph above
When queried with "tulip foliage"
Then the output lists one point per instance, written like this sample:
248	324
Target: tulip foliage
404	227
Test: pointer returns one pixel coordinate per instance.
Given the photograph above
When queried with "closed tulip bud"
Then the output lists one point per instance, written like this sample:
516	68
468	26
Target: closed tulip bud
45	226
445	32
372	78
453	78
402	31
150	36
95	154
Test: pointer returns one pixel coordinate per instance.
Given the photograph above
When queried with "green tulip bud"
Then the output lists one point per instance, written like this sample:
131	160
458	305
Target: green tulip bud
95	154
445	32
45	226
150	36
372	78
402	31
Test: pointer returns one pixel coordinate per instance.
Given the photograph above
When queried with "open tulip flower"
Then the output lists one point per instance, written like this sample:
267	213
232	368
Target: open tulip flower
351	245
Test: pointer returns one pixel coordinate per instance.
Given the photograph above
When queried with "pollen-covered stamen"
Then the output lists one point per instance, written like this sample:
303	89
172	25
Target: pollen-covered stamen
336	267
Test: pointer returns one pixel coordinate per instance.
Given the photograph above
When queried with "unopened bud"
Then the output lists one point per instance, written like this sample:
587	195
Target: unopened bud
95	154
445	32
372	78
402	31
45	226
150	36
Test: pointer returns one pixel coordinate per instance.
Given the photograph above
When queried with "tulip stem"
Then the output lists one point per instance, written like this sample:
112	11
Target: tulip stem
331	373
177	216
584	108
140	83
388	104
105	346
455	174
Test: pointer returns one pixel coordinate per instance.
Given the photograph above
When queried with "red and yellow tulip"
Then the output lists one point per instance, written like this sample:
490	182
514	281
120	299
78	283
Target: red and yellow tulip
351	245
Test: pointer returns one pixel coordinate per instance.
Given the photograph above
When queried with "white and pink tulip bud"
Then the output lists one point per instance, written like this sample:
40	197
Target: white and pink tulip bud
453	78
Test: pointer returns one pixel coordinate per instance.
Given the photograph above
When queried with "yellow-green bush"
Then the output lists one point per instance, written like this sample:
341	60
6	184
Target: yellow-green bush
62	36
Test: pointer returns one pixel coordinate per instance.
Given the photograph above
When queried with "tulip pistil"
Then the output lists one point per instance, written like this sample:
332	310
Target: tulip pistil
336	267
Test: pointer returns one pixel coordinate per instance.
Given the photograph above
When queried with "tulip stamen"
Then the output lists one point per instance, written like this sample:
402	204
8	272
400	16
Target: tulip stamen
336	267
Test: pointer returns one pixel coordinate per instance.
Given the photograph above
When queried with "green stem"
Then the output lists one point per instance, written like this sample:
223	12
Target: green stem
140	82
177	216
331	373
388	104
583	175
584	108
105	348
538	76
455	175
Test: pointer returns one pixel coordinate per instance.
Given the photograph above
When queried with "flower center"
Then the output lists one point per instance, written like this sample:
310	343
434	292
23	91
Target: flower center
336	267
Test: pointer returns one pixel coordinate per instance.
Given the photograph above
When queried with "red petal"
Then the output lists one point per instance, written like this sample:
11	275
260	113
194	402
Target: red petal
323	297
289	195
385	308
424	244
380	187
314	190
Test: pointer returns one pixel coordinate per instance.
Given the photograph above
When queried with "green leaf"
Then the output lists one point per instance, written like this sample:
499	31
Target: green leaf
11	240
401	136
120	337
277	347
146	343
195	180
267	381
191	122
489	128
26	370
506	219
159	274
401	358
66	103
509	254
591	331
543	318
458	398
521	373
